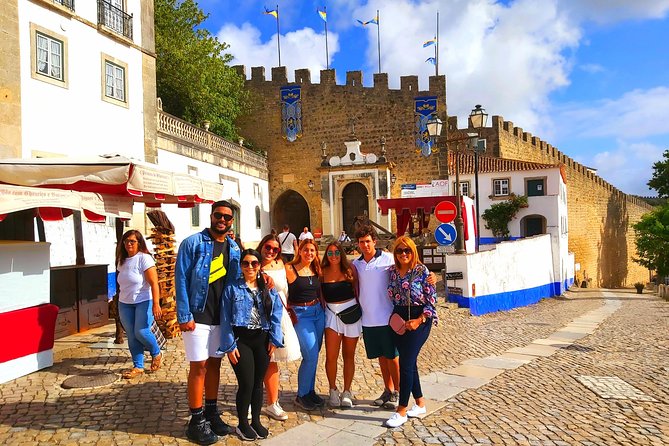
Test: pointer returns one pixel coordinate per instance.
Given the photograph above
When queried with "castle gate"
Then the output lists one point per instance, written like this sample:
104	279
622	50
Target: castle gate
355	202
291	208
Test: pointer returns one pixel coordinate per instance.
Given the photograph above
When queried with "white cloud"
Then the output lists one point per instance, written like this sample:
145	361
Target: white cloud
304	48
629	166
592	68
611	11
636	114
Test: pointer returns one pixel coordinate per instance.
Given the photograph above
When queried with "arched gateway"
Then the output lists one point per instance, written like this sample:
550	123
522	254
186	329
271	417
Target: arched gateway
355	202
291	208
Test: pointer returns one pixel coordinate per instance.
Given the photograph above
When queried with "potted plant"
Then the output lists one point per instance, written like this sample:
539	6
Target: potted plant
639	287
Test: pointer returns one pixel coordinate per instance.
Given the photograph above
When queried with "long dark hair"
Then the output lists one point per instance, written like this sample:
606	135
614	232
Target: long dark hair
122	254
266	239
344	266
262	286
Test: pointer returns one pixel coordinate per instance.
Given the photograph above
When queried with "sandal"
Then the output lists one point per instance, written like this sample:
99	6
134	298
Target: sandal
132	373
156	362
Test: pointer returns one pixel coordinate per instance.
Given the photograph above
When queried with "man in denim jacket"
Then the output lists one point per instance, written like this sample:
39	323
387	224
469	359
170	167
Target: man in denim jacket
206	263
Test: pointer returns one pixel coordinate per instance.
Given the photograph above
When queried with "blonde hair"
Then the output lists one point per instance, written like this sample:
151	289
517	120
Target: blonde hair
406	240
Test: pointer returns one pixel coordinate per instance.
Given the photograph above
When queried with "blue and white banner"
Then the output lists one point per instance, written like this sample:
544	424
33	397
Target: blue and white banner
291	112
425	107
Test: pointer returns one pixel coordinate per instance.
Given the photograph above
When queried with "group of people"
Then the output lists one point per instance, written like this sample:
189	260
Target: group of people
260	307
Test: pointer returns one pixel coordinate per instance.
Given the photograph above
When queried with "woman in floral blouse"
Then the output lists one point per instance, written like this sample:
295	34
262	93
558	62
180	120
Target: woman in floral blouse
414	300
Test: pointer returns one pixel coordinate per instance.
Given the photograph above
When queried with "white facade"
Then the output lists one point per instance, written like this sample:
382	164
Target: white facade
71	117
248	193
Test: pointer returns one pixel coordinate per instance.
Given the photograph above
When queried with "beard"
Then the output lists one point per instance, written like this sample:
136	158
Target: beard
218	231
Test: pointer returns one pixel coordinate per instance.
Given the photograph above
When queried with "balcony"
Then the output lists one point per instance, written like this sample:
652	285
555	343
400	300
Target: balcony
69	4
114	19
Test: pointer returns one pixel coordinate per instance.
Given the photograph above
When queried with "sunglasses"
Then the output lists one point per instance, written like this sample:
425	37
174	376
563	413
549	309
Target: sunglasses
251	264
272	249
406	251
335	253
226	217
130	242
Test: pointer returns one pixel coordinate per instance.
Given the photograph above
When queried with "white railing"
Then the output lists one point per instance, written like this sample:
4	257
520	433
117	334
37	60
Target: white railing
207	141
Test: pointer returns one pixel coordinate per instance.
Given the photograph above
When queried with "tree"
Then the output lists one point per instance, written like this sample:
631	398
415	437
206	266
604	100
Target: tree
193	78
499	215
660	179
652	240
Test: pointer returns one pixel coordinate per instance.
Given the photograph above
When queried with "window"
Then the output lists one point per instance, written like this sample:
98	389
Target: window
464	188
112	16
258	217
535	187
500	187
67	3
48	56
114	81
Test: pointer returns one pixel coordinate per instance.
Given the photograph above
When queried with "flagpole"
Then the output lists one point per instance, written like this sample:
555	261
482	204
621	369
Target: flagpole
436	50
378	36
327	54
278	34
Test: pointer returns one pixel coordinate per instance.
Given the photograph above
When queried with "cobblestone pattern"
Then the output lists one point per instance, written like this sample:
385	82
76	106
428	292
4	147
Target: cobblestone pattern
612	387
539	403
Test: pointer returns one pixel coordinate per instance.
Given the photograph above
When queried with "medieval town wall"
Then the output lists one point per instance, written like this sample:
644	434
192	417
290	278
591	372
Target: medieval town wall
600	215
327	110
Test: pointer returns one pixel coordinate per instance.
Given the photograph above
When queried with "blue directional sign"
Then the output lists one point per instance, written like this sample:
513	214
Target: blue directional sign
445	234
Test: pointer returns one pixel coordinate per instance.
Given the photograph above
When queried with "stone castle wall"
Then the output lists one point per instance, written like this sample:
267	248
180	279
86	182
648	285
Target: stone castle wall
327	110
600	216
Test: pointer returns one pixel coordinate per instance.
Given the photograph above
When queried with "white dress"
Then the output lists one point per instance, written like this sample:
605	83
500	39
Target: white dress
291	345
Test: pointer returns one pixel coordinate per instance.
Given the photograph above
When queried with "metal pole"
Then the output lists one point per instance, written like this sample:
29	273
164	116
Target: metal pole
278	34
327	55
459	224
476	191
378	36
436	50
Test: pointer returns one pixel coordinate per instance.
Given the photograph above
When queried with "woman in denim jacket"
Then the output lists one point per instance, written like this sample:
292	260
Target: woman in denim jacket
250	331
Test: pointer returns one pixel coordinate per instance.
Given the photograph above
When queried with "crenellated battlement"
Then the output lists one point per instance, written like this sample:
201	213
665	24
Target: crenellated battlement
551	154
354	79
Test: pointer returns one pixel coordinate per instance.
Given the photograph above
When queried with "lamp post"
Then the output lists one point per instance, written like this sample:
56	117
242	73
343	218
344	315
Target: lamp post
434	129
478	119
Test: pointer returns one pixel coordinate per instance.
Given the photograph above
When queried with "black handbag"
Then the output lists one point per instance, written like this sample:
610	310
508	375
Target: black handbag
350	315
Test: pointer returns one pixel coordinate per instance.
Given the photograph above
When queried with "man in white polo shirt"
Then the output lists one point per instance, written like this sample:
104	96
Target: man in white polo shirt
373	276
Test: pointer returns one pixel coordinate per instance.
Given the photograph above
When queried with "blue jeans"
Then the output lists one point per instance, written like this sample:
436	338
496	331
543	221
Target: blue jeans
137	320
309	329
409	346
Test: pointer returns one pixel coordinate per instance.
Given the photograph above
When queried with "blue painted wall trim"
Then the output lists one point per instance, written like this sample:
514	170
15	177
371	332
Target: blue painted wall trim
511	299
494	240
111	285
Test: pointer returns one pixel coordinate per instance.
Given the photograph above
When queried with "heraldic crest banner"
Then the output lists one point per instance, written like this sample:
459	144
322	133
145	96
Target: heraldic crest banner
291	112
425	107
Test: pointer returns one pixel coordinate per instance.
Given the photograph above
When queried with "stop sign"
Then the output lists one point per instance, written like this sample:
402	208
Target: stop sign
445	211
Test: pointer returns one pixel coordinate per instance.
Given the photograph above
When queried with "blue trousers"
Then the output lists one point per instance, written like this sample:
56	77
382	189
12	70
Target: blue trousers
137	320
309	329
409	345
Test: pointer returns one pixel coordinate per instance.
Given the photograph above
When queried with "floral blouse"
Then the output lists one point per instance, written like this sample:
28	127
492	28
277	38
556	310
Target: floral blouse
415	282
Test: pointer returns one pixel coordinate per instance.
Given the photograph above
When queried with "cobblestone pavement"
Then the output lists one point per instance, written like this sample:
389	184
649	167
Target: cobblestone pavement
544	402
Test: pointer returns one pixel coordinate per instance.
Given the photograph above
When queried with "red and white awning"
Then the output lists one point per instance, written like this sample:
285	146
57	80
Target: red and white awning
113	175
53	204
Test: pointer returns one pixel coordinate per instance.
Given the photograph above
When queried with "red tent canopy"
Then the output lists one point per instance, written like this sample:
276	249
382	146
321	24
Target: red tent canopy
406	207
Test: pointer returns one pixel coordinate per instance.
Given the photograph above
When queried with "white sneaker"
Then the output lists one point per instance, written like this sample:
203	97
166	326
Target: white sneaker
346	399
416	411
396	420
275	411
335	401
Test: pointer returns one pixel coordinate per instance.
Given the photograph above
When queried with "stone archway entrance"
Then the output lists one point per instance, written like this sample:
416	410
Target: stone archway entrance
291	208
355	202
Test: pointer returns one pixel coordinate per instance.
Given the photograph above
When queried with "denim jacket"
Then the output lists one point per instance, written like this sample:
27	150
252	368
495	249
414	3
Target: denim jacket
192	272
236	311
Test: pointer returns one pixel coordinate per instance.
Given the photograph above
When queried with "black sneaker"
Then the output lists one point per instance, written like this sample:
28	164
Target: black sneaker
392	401
200	432
383	398
218	426
260	430
246	433
305	402
317	400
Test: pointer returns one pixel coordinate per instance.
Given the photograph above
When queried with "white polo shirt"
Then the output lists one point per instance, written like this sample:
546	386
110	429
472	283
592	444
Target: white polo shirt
373	278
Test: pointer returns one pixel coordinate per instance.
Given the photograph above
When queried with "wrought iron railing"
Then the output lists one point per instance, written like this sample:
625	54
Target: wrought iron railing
114	18
69	4
207	141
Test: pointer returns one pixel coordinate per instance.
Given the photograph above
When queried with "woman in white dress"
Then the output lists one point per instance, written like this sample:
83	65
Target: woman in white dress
272	265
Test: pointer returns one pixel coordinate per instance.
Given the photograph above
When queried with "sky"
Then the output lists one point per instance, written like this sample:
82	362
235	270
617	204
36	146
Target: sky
590	77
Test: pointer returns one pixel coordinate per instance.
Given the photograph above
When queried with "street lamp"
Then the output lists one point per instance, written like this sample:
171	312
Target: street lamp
434	129
478	119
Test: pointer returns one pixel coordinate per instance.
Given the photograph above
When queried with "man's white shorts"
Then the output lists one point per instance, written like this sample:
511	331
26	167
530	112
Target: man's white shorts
202	343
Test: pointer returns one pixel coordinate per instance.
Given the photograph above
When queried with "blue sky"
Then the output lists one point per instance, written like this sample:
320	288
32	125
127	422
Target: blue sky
590	77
